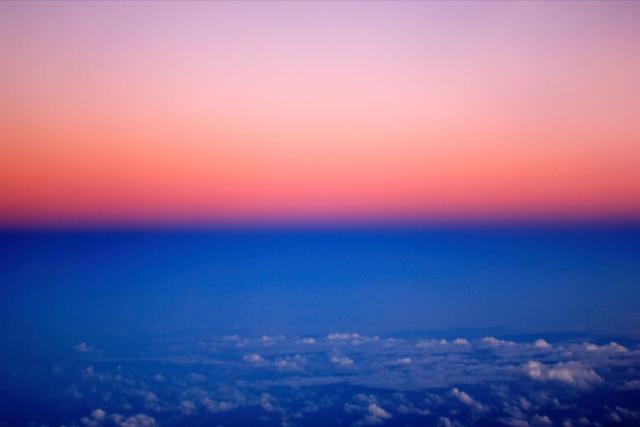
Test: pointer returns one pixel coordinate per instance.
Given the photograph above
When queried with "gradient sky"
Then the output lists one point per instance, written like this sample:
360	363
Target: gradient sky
201	112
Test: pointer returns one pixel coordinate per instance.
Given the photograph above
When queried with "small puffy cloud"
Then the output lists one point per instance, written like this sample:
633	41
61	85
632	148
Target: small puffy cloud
460	341
612	347
307	341
447	422
374	414
495	342
83	347
624	416
272	340
149	397
541	344
99	414
291	363
187	407
254	358
88	372
378	411
138	420
341	360
267	402
574	374
632	385
195	377
96	419
342	336
468	400
541	420
403	361
514	422
159	378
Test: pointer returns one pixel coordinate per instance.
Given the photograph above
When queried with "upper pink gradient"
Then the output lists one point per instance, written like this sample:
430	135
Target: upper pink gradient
202	112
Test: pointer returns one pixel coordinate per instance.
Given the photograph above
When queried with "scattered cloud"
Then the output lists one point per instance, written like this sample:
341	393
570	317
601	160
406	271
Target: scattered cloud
571	373
541	344
83	347
468	400
341	360
254	358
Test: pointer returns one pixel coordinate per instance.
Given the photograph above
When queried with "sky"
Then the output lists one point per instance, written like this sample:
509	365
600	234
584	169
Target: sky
300	214
201	113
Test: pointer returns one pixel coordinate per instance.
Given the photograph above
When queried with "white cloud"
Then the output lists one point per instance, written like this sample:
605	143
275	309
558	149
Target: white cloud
632	385
542	344
575	374
195	377
83	347
272	340
307	341
254	358
514	422
138	420
378	411
187	407
541	420
96	419
446	422
342	336
267	402
341	360
612	347
468	400
403	361
494	342
460	341
290	363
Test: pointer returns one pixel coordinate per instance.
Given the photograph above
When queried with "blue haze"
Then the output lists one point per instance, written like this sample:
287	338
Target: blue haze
283	281
398	326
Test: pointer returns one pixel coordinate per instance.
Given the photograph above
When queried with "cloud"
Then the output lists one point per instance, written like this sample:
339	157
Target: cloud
83	347
447	422
574	374
624	416
138	420
195	377
187	407
290	362
342	336
272	340
468	400
307	341
632	385
541	344
541	420
254	358
403	361
341	360
612	347
378	412
460	341
96	419
494	342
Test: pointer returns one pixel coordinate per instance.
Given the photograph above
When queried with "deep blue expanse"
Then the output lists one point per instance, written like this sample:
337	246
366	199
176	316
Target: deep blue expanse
321	326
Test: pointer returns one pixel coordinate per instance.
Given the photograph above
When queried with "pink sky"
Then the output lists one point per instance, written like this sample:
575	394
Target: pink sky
202	112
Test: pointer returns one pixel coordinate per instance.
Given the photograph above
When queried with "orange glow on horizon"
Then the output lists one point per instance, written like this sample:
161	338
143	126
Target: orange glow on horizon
178	112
